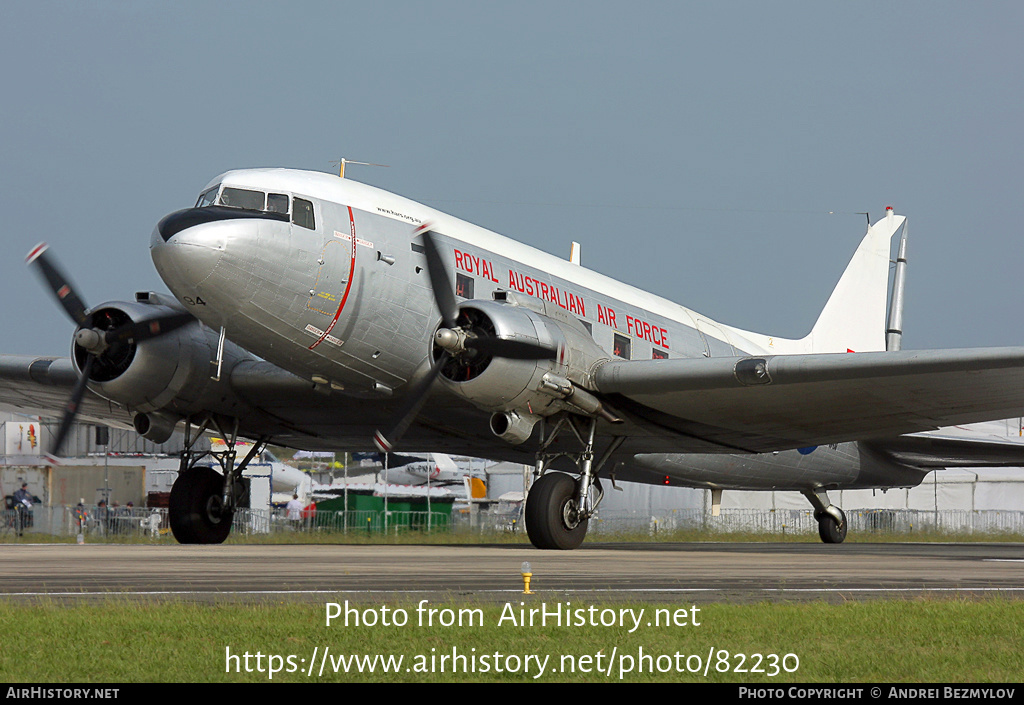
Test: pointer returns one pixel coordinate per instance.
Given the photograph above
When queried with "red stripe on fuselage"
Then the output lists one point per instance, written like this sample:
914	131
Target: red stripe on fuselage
348	286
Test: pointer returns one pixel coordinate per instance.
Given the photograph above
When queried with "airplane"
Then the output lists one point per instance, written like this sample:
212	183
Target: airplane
436	469
317	312
398	474
439	469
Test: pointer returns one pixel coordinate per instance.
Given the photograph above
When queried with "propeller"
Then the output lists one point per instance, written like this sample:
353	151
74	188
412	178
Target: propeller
94	340
414	401
454	341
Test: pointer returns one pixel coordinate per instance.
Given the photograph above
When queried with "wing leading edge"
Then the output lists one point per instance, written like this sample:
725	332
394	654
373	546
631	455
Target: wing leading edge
767	403
34	385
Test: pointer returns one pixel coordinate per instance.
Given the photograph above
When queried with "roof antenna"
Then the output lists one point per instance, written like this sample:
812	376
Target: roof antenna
342	162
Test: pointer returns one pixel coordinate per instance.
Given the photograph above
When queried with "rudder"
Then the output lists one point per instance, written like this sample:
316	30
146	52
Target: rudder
854	317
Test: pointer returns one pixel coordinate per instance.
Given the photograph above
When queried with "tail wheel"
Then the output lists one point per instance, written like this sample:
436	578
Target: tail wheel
552	520
197	513
830	530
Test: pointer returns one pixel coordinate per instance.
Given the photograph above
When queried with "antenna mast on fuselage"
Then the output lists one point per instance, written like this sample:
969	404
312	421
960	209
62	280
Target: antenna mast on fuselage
342	162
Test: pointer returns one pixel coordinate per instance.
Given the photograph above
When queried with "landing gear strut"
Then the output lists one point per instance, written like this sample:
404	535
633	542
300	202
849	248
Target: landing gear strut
831	519
203	501
559	507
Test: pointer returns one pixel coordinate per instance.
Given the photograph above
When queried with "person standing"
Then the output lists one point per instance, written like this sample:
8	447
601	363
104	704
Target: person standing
81	515
294	509
22	508
103	517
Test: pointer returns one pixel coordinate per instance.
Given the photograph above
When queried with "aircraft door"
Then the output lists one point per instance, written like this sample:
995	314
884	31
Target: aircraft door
331	277
337	294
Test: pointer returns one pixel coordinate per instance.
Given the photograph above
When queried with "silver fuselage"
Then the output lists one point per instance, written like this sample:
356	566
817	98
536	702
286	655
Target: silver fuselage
347	304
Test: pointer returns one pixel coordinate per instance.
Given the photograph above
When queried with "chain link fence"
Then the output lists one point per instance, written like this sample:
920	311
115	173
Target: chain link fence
95	522
101	523
800	521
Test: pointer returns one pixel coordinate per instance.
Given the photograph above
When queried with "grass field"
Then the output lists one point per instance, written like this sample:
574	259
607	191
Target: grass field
116	641
927	640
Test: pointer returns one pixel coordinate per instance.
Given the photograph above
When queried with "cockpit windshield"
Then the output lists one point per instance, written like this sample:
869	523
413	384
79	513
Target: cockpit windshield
277	203
208	198
244	198
280	204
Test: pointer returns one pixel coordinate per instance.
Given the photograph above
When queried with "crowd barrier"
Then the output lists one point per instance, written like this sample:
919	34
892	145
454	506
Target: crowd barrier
94	522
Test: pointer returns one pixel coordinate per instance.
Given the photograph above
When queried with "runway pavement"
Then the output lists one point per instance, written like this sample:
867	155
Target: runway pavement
710	572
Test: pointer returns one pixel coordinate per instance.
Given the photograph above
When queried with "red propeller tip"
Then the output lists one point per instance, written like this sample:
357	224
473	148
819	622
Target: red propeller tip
36	251
382	443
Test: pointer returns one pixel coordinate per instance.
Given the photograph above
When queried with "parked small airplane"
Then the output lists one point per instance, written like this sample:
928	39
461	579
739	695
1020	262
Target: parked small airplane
335	315
436	469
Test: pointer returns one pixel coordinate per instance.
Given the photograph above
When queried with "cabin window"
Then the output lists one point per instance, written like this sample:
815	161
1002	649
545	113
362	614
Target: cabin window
243	198
463	286
208	198
277	203
658	354
302	213
621	346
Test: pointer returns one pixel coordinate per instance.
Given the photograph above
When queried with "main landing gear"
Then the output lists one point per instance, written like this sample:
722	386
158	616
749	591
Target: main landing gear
832	524
559	506
203	501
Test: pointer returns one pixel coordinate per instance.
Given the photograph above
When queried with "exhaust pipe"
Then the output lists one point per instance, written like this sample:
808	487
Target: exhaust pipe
155	427
512	427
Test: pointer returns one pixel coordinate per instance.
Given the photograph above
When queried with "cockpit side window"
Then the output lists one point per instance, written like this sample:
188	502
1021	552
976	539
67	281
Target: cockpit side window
277	203
302	213
243	198
208	198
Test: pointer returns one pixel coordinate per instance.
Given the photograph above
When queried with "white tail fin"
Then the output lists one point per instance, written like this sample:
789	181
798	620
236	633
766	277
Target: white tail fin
444	464
853	319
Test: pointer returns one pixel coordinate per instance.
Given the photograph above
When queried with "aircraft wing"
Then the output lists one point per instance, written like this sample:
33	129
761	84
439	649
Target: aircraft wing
36	385
749	404
765	403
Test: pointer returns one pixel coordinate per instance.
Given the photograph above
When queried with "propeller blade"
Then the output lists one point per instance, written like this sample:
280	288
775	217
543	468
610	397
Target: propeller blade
441	285
414	402
444	296
512	349
58	282
71	410
149	328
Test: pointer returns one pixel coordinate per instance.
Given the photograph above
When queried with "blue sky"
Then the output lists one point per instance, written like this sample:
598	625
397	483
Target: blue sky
694	149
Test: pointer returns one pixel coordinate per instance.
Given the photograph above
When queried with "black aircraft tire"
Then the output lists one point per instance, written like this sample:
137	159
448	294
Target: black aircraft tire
545	513
194	510
829	529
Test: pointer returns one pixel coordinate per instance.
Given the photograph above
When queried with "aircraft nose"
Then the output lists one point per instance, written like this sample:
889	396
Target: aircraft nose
187	247
178	221
208	254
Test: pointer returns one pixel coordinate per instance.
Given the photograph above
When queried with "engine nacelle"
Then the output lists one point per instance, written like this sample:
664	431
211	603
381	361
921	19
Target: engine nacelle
501	384
170	373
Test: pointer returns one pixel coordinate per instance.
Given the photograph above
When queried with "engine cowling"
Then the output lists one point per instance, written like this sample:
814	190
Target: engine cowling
529	387
169	374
